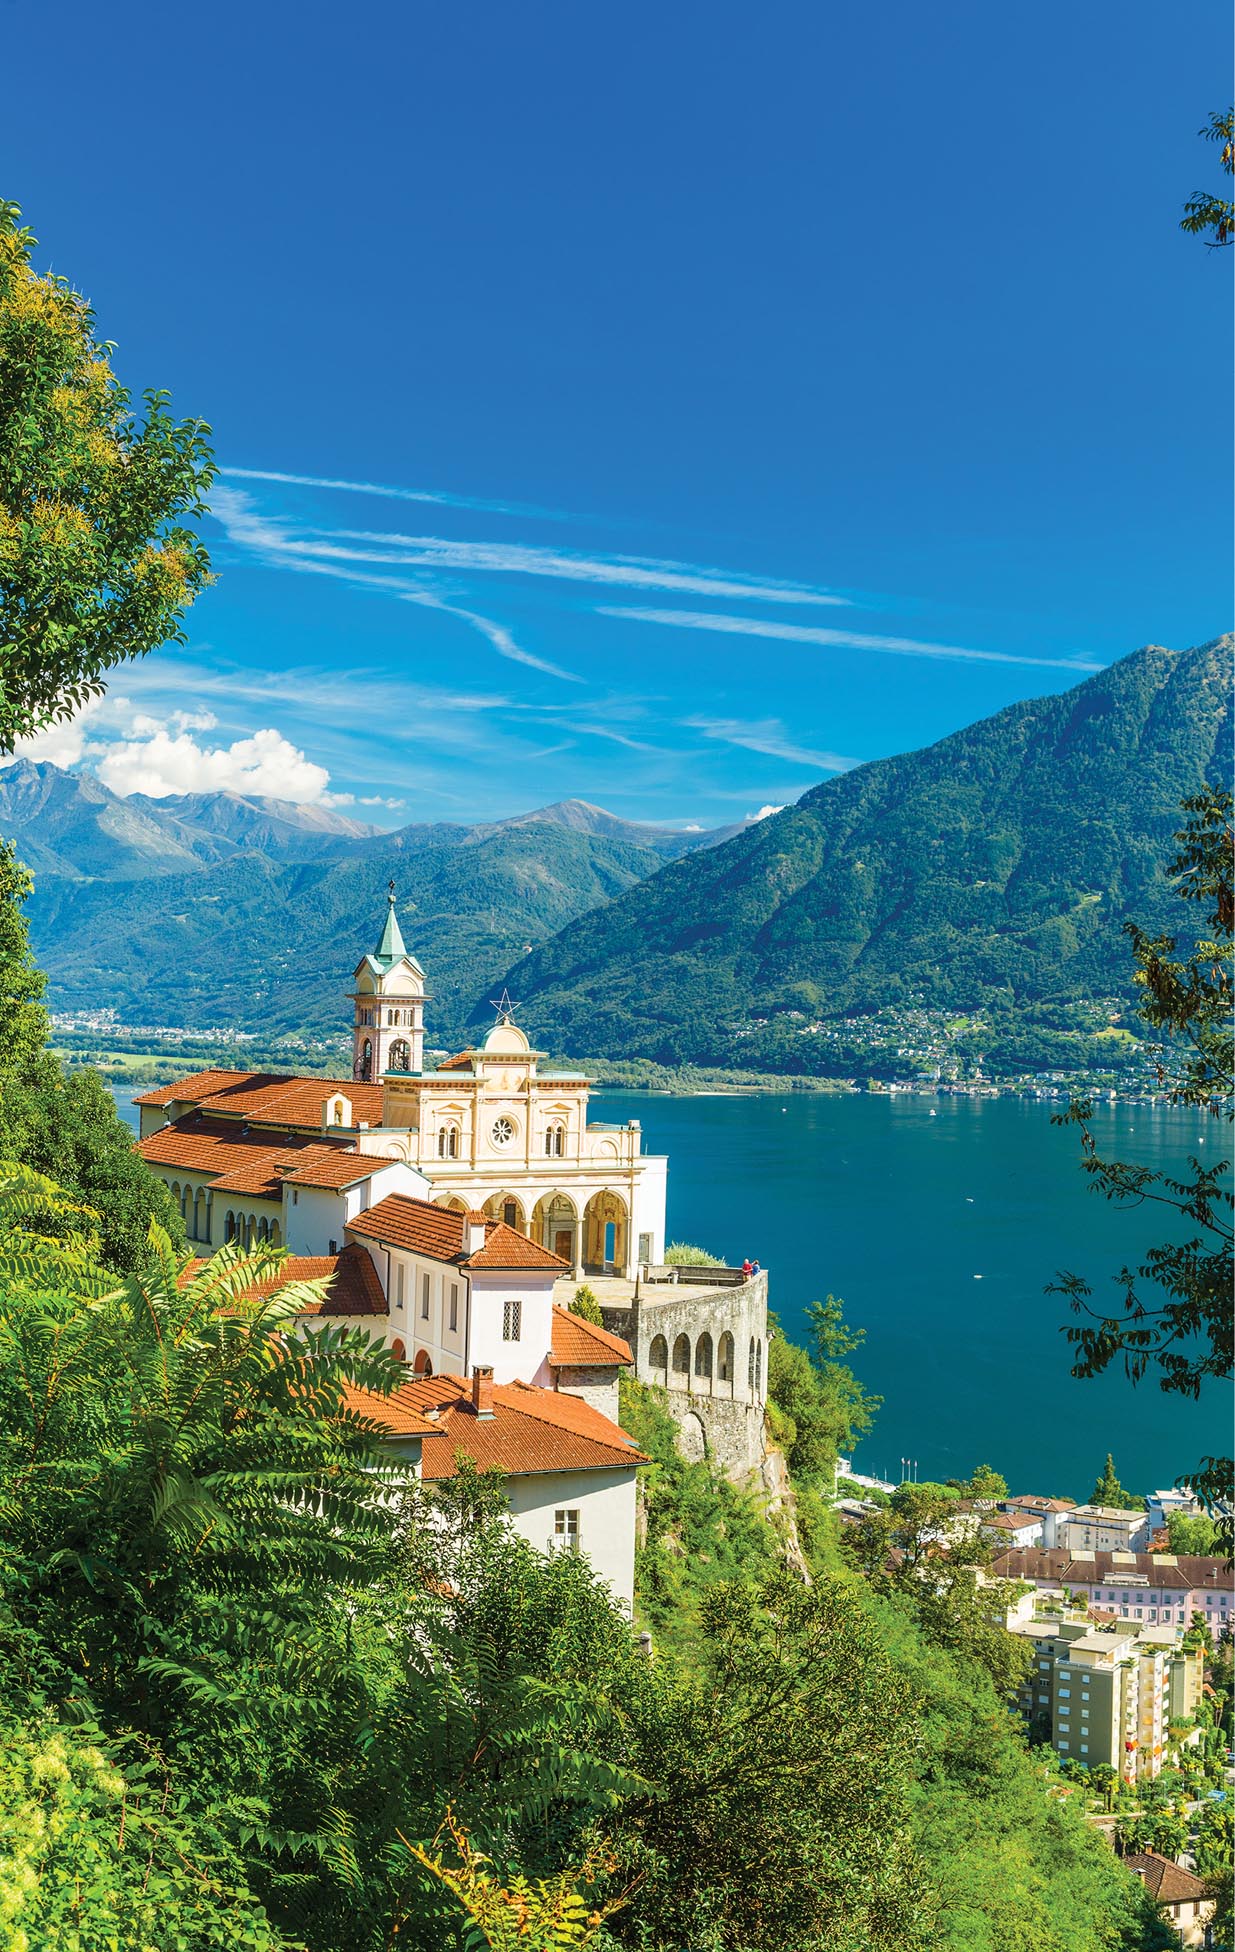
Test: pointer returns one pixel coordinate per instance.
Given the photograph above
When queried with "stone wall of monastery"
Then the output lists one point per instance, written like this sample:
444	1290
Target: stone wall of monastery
718	1416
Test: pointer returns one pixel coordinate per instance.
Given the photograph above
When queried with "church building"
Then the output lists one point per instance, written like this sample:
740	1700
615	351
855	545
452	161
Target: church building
491	1129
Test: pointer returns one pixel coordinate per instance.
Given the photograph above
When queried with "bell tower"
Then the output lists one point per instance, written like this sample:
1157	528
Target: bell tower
389	998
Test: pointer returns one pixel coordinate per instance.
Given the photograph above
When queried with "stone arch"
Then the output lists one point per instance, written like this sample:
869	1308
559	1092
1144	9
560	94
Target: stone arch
725	1363
263	1230
750	1369
452	1203
174	1190
658	1360
692	1437
199	1214
400	1055
397	1349
229	1226
680	1378
605	1231
507	1207
423	1365
555	1224
276	1234
759	1369
703	1364
364	1066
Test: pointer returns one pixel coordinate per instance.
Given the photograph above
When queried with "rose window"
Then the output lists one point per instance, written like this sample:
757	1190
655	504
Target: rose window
503	1131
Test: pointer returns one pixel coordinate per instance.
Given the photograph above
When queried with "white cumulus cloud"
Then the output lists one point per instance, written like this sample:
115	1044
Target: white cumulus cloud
164	758
764	812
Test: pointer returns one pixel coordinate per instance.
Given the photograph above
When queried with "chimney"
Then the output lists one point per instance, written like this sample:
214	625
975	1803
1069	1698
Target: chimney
473	1232
482	1391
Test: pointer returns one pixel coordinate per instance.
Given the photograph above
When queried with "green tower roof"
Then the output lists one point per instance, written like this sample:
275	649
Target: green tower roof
392	948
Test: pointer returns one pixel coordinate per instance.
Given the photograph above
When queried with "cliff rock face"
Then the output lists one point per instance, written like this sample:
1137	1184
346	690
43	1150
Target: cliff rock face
998	865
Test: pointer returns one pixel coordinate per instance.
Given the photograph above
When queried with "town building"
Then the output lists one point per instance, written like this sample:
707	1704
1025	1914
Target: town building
1149	1588
1102	1528
1180	1896
1106	1695
1049	1511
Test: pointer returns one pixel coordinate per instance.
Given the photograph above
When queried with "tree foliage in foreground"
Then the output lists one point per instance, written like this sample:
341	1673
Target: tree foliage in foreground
1174	1316
96	566
65	1124
1204	212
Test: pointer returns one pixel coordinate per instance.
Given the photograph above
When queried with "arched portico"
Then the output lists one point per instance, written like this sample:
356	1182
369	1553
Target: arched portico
452	1203
606	1230
423	1365
555	1224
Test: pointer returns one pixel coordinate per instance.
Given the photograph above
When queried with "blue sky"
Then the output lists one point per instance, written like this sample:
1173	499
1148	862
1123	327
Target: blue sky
740	393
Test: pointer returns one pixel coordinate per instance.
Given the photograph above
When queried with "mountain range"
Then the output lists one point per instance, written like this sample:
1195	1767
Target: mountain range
993	868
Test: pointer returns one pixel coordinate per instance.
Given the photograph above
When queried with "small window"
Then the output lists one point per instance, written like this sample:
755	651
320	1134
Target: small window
295	1196
566	1530
424	1297
399	1288
555	1140
454	1304
1084	1748
1064	1691
1061	1745
512	1319
334	1247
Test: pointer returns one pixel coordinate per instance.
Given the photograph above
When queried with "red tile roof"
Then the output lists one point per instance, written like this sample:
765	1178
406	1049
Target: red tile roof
334	1168
578	1344
531	1430
1106	1569
397	1417
235	1160
268	1097
190	1090
354	1285
462	1061
438	1233
1043	1504
1167	1883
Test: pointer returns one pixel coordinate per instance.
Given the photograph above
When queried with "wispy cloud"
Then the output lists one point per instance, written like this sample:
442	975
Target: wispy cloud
372	550
497	634
770	737
393	494
840	639
562	565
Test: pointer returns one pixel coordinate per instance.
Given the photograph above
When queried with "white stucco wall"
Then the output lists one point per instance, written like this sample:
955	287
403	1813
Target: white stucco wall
526	1360
605	1501
313	1216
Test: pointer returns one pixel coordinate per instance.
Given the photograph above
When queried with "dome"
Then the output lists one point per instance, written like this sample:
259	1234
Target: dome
505	1040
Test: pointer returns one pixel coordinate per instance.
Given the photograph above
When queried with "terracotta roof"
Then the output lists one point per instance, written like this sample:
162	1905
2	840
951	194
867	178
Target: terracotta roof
354	1285
1112	1569
1167	1882
272	1098
578	1344
1043	1504
461	1061
531	1429
235	1160
1007	1521
335	1168
396	1416
438	1233
190	1090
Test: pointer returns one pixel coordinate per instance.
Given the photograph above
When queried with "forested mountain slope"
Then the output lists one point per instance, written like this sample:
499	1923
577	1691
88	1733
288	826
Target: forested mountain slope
994	867
271	945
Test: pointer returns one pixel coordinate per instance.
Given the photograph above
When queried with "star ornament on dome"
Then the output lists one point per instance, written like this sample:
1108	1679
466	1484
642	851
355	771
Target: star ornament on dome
504	1007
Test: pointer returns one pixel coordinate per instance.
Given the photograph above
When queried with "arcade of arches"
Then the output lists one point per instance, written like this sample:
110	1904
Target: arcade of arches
704	1367
602	1231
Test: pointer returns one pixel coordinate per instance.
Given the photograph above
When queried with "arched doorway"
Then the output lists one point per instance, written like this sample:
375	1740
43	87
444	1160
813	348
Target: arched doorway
555	1224
605	1232
505	1206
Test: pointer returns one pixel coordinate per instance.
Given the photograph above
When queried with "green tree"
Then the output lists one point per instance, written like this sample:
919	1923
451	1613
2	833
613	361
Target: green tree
96	566
819	1408
1174	1315
1109	1491
1204	211
1195	1534
586	1305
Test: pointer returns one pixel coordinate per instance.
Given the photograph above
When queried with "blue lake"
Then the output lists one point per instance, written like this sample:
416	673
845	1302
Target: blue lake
940	1233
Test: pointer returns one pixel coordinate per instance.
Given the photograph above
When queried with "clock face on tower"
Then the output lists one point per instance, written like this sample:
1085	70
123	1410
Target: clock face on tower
503	1131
